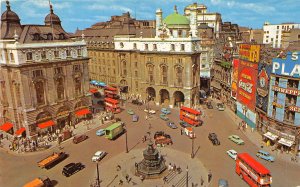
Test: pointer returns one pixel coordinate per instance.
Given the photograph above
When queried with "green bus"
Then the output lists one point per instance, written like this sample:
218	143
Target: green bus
114	130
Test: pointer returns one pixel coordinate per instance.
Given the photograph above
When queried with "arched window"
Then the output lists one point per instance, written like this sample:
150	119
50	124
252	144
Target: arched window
60	88
179	75
151	73
164	74
40	94
124	70
77	81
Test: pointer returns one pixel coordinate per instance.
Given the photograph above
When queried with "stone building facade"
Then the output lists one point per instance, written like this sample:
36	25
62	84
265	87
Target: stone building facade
44	76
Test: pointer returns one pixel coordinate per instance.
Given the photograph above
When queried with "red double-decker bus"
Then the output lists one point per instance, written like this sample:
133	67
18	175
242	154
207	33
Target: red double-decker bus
110	92
253	172
190	116
112	105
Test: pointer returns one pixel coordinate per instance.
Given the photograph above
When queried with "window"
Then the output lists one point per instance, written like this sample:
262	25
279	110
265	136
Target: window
277	27
276	36
267	36
58	70
29	56
267	41
164	74
277	81
68	53
146	46
76	68
49	36
43	54
179	33
11	57
136	73
151	73
37	73
77	81
272	39
136	85
56	54
121	45
179	76
60	88
149	59
172	47
134	45
182	47
293	84
154	47
39	90
79	52
164	60
135	64
124	73
202	65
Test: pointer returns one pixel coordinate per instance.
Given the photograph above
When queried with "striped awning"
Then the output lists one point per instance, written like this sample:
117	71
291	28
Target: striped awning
271	136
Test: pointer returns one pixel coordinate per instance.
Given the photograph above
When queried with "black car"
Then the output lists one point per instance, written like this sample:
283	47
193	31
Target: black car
137	102
213	138
209	105
72	168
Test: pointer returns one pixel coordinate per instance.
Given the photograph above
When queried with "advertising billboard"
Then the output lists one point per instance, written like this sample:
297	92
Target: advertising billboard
246	115
234	77
287	64
247	79
262	86
249	52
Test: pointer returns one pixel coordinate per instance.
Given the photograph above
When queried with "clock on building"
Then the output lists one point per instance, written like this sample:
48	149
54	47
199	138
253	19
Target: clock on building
262	82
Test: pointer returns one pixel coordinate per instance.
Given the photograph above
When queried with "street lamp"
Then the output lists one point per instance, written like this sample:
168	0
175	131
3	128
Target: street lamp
187	176
98	177
193	137
126	140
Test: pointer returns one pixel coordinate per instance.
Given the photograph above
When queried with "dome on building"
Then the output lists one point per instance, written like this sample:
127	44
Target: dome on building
52	18
176	19
9	15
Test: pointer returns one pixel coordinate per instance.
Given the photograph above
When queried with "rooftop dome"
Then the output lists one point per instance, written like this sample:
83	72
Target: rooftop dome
176	19
9	15
52	18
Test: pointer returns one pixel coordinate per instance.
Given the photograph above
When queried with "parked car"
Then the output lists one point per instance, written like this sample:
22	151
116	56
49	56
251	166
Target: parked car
220	106
130	111
236	139
98	156
166	111
137	102
150	111
100	132
164	117
161	138
232	153
172	125
223	183
265	155
184	124
213	138
135	118
72	168
79	138
209	105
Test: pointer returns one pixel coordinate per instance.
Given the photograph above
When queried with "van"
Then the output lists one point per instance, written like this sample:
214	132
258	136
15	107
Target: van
79	138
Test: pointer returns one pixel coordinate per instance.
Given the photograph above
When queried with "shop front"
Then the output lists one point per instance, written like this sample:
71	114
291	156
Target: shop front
7	128
270	138
216	89
21	132
63	117
82	113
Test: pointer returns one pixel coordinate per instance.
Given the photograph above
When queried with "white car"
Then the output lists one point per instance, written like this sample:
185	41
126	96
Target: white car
98	156
232	153
150	111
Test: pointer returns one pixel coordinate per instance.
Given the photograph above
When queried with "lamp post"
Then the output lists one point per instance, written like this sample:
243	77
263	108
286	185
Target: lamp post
193	137
98	177
187	176
126	142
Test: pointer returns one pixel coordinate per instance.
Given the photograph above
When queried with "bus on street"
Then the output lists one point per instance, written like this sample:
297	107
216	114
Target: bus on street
190	116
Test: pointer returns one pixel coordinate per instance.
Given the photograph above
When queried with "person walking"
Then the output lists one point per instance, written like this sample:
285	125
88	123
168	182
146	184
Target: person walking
181	131
209	175
201	181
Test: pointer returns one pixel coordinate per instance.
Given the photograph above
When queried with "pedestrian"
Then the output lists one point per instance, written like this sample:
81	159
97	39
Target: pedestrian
142	178
165	179
209	175
181	131
127	177
201	181
120	182
174	167
118	167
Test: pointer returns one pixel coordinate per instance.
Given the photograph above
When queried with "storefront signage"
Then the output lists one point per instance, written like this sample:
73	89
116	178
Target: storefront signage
262	86
294	108
277	105
234	78
63	114
247	77
288	66
286	90
249	52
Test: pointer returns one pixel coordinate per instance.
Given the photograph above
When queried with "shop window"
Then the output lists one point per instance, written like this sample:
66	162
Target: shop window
293	84
276	81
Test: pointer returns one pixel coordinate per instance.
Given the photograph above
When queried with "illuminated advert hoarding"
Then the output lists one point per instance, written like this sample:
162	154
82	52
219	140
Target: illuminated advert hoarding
262	86
234	77
246	86
287	65
249	52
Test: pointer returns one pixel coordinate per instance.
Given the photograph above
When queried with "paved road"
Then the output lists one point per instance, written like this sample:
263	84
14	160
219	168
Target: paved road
17	170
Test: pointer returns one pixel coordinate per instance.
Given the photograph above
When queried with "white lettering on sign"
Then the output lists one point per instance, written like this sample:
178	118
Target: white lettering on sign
282	70
276	66
295	70
246	86
247	171
294	56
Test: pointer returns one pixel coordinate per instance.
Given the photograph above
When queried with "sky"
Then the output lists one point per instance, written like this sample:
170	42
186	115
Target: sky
84	13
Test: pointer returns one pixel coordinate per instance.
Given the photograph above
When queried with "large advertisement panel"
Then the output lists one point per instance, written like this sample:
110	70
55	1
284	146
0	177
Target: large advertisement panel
234	77
249	52
246	115
247	78
262	86
287	65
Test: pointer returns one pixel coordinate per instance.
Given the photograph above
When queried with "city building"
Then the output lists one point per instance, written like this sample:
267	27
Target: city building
213	20
273	33
284	103
168	66
256	35
43	75
104	63
290	36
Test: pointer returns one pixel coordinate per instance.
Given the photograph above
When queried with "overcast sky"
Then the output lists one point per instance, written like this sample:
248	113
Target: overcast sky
84	13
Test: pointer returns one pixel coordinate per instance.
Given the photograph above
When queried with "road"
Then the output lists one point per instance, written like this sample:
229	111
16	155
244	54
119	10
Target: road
17	170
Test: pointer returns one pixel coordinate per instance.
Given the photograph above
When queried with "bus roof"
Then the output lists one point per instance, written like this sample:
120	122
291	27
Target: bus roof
258	167
110	88
113	126
114	101
190	110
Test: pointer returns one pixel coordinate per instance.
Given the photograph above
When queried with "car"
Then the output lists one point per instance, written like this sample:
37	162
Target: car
164	117
232	153
136	102
220	106
130	111
72	168
79	138
100	132
172	125
150	111
222	183
209	105
265	155
166	111
98	156
184	124
236	139
213	138
135	118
